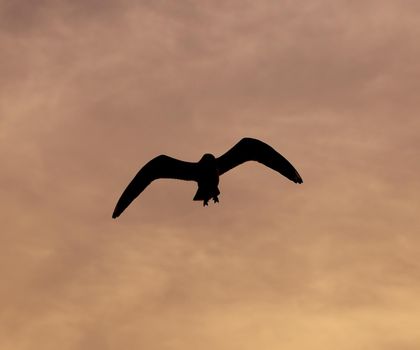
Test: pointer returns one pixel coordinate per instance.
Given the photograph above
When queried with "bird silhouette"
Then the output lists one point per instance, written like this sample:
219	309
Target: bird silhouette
206	171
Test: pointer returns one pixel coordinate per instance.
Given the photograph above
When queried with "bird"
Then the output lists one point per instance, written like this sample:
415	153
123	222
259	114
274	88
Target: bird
206	172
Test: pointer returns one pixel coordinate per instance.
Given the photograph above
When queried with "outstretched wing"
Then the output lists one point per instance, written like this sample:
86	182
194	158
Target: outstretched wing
161	167
251	149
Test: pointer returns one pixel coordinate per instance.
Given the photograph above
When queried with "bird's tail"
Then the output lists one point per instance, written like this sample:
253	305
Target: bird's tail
204	194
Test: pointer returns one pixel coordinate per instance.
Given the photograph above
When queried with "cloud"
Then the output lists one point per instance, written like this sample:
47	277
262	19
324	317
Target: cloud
92	90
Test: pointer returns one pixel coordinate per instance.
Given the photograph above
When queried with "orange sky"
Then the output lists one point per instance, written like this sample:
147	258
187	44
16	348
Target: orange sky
91	90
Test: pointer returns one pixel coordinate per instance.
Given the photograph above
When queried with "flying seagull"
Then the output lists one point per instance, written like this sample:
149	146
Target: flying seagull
206	171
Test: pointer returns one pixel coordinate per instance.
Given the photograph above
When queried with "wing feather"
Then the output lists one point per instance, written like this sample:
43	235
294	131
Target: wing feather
161	167
252	149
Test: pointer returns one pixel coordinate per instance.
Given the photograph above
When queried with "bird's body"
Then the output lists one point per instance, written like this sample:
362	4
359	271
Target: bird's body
208	180
206	171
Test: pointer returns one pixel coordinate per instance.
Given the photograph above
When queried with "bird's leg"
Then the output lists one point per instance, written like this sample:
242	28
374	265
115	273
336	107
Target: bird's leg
205	202
215	199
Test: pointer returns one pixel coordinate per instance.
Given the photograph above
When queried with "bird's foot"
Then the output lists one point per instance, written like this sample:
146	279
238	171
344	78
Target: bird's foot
215	199
205	203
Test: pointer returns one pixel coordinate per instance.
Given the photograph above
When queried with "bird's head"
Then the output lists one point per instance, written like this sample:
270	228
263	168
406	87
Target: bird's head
208	158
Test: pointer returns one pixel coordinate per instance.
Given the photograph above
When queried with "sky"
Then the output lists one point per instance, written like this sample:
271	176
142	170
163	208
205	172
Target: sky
91	90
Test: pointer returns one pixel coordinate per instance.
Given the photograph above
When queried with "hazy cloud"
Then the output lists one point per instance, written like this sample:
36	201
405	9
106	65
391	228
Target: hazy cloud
91	90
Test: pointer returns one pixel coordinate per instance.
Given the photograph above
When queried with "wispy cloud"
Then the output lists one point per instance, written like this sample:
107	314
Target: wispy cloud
92	90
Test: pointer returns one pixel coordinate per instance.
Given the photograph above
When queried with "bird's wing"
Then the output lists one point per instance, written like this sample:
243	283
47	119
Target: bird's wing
251	149
161	167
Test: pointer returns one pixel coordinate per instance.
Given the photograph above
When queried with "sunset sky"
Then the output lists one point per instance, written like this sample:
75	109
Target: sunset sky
90	90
